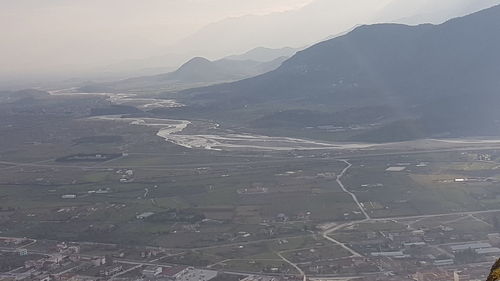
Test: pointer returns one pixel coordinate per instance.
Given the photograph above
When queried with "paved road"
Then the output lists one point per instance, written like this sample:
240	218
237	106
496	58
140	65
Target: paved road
362	153
326	234
304	276
329	231
339	181
435	215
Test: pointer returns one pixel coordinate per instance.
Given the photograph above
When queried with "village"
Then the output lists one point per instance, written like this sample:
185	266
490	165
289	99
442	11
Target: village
66	261
433	247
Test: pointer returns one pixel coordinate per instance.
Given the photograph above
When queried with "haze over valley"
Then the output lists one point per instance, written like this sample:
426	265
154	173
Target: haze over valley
120	43
228	140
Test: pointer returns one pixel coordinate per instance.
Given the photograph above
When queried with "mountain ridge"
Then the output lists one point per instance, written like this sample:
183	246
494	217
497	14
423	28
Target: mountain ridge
197	71
412	69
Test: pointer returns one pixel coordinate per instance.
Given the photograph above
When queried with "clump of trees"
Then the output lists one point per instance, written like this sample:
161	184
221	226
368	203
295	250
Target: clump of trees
177	215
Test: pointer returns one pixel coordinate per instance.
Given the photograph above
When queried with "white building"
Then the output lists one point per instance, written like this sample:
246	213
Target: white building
470	246
193	274
152	271
397	254
488	251
144	215
460	276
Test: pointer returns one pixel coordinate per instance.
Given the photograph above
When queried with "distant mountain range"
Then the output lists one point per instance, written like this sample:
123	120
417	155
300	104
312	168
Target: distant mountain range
265	54
398	82
295	28
430	11
200	71
317	20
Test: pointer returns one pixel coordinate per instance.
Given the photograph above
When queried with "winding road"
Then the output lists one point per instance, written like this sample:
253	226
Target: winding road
326	234
329	231
339	177
304	276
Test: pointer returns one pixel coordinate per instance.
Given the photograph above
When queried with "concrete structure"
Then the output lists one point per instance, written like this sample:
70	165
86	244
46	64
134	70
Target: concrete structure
433	275
461	276
486	251
144	215
56	258
193	274
98	261
84	278
444	262
472	246
152	271
173	272
111	270
414	244
260	278
395	169
397	254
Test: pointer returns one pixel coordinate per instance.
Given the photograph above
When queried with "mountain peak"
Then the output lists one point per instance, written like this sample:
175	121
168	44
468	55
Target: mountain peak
435	79
195	62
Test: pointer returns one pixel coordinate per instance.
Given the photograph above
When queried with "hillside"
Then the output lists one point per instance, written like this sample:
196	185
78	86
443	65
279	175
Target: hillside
194	73
437	80
263	54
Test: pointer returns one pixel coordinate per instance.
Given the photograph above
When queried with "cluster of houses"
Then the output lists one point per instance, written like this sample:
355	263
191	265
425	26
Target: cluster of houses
126	175
65	262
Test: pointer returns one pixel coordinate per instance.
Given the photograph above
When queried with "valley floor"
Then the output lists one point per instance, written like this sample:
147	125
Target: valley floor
243	204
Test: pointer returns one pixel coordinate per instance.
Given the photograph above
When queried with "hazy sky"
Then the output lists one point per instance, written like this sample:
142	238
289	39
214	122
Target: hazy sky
39	34
45	37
